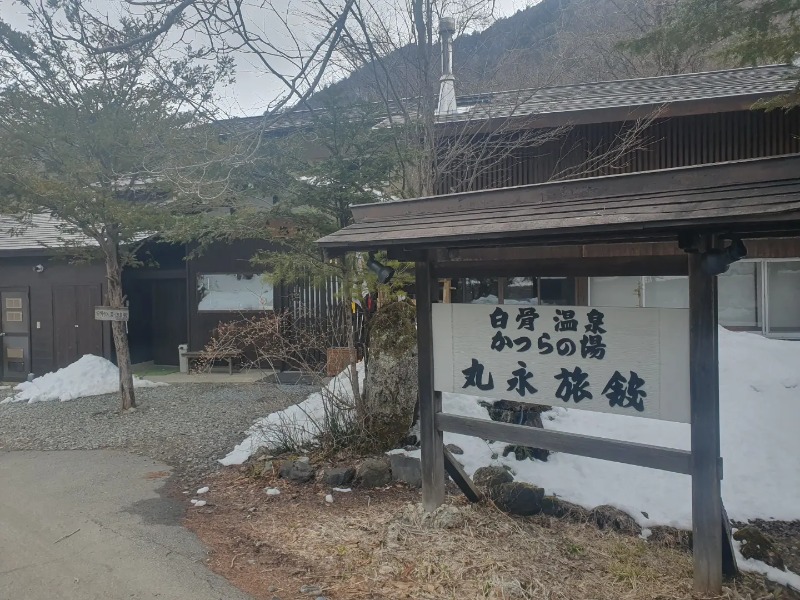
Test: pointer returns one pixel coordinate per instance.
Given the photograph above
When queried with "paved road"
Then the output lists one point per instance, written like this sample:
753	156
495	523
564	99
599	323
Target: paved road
125	542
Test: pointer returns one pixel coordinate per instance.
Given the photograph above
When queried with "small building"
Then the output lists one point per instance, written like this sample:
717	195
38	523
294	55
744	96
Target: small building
48	301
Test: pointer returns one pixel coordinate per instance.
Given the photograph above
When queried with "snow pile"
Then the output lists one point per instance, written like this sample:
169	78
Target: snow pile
88	376
300	422
760	409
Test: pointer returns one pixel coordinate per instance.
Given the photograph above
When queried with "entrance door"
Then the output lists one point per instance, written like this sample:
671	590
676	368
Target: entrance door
15	331
75	330
169	319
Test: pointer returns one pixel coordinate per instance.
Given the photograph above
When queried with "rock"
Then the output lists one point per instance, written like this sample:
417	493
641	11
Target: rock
556	507
272	491
406	469
294	470
526	452
670	537
390	387
759	546
608	517
518	498
304	459
199	503
338	476
202	490
311	590
489	478
454	449
373	472
329	499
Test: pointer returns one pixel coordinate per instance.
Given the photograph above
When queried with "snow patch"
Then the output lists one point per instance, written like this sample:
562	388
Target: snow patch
272	491
202	490
759	410
784	578
301	421
88	376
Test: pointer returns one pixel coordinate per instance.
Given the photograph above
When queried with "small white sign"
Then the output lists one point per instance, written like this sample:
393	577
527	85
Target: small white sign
106	313
628	361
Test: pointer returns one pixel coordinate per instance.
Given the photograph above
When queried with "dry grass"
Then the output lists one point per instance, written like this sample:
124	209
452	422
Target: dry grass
382	546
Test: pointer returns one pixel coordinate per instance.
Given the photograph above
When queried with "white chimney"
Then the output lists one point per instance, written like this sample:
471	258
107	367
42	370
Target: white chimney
447	83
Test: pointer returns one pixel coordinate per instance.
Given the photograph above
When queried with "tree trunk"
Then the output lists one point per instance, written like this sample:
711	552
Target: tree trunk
116	299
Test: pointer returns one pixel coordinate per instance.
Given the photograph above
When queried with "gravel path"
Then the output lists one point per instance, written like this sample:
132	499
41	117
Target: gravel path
188	426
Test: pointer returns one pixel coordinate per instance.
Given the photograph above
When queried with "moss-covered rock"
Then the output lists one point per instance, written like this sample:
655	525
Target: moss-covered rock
490	478
390	389
518	498
759	546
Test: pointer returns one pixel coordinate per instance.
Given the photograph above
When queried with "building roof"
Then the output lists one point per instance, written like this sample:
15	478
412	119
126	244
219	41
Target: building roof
750	83
743	197
39	234
713	91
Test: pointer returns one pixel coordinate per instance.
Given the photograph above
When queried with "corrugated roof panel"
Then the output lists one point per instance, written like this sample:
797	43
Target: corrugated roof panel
40	232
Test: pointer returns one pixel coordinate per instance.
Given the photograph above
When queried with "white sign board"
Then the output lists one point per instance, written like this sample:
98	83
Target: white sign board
628	361
106	313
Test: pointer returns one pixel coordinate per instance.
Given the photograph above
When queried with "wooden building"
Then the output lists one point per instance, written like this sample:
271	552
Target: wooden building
632	126
48	302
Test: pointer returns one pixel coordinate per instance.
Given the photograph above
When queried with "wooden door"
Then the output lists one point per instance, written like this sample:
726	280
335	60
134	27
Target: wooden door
15	345
169	319
75	332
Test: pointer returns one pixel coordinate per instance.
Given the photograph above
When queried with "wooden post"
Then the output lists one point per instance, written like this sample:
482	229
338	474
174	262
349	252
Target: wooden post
706	463
430	402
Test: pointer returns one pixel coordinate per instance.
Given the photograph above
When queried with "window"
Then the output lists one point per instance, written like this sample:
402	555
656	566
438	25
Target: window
783	291
666	292
615	291
753	295
233	292
516	290
739	292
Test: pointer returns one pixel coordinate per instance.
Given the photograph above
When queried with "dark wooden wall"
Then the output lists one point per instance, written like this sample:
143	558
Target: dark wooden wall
222	258
55	293
590	150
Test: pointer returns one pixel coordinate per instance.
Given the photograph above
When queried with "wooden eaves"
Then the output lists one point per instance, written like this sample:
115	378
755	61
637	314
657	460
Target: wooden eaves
748	198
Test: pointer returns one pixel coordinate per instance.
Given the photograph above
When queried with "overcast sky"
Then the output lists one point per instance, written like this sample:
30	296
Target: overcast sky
254	89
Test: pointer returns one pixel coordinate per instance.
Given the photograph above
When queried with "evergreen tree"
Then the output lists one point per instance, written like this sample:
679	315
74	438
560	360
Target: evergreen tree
98	141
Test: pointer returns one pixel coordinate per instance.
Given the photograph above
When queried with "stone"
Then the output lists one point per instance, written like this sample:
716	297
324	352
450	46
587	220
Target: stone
518	498
489	478
519	413
556	507
390	386
338	476
304	459
454	449
294	470
608	517
757	545
311	590
272	491
373	473
329	498
670	537
406	469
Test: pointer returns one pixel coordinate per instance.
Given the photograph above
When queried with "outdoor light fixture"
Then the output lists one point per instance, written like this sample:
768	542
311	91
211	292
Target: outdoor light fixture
383	272
717	261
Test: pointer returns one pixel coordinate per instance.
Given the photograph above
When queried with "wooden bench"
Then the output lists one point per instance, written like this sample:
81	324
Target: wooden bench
229	357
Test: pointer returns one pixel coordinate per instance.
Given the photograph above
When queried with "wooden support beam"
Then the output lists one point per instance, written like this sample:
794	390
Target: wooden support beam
430	402
643	455
706	461
460	478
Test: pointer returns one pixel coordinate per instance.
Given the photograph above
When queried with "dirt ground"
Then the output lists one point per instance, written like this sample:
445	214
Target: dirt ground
376	545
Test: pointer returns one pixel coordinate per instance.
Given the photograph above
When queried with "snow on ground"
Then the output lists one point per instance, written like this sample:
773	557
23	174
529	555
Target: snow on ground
300	422
88	376
760	409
